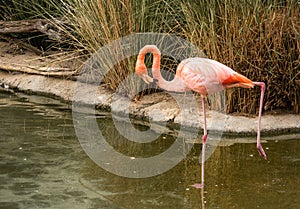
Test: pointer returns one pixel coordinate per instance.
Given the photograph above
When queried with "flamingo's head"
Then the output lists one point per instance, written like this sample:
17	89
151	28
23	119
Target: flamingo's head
141	71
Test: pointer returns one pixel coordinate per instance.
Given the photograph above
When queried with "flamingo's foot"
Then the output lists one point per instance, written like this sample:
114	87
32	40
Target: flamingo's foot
198	186
261	152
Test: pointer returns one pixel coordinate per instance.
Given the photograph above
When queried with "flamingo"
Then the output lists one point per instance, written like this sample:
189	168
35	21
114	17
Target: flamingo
203	76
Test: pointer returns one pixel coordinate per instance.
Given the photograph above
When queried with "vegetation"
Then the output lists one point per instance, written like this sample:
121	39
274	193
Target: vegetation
259	39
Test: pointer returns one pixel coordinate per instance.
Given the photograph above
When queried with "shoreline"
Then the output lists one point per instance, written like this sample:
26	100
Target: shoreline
159	108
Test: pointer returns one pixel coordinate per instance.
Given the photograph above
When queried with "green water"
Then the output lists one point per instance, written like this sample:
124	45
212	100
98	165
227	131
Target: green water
42	165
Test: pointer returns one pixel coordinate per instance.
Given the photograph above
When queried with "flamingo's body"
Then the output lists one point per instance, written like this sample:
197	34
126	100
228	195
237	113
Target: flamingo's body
201	75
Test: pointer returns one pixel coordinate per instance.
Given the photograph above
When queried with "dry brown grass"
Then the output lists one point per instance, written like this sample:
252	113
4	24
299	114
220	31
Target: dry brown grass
259	40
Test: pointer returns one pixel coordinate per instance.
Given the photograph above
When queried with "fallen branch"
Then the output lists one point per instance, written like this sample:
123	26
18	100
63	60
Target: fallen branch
46	71
30	26
23	44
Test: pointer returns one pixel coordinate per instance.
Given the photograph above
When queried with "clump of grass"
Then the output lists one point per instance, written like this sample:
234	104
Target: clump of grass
259	39
11	10
94	24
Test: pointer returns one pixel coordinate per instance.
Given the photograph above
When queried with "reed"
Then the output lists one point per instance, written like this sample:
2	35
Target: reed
28	9
97	23
259	39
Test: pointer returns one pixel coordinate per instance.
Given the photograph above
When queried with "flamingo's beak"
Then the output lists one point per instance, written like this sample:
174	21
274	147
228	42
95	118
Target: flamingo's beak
147	78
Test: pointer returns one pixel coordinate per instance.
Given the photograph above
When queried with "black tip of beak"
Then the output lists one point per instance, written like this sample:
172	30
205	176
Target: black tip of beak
155	80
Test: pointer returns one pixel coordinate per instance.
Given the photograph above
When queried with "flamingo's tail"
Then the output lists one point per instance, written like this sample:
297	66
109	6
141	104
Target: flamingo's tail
238	80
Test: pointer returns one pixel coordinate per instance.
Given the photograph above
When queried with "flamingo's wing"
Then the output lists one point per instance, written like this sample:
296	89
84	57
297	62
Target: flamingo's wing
208	76
200	75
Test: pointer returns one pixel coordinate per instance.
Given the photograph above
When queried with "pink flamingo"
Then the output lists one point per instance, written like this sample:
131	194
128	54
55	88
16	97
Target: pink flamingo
201	75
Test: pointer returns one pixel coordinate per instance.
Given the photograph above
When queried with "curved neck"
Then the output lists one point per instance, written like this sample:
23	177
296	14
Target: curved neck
176	85
156	60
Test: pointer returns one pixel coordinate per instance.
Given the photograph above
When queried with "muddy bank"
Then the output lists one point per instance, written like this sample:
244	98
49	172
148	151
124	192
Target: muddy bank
159	107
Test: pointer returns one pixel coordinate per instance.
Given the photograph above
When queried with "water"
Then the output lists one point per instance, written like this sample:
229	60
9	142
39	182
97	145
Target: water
42	165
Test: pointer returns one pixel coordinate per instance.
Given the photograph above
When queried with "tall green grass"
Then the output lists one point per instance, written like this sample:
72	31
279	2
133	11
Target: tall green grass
28	9
259	39
96	23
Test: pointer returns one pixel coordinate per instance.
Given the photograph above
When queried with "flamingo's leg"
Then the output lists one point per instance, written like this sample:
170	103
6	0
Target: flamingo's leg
259	147
204	138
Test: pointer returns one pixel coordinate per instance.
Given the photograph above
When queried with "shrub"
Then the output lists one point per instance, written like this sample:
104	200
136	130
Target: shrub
259	39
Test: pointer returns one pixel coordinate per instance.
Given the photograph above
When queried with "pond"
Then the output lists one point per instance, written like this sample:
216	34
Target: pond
43	165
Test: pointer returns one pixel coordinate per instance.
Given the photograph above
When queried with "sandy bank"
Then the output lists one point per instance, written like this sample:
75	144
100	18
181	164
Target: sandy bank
159	107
